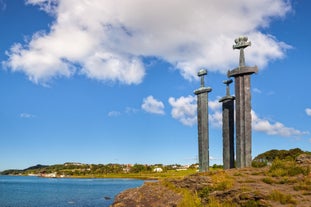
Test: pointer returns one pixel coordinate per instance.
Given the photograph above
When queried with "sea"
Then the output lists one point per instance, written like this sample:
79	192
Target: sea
30	191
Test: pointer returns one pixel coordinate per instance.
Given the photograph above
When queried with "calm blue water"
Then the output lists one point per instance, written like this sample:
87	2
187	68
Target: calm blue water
20	191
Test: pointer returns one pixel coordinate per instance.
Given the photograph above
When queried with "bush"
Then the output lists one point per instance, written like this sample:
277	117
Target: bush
268	180
259	164
204	193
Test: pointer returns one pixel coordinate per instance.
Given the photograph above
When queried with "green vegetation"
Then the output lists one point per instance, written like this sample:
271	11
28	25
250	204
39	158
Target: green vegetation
220	181
106	171
287	167
189	199
265	158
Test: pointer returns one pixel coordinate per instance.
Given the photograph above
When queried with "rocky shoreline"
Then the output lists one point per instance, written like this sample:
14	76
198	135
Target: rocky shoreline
150	194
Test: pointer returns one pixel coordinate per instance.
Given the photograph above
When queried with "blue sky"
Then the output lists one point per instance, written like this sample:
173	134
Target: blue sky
112	81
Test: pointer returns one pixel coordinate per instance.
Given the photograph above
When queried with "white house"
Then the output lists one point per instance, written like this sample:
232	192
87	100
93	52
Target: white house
157	169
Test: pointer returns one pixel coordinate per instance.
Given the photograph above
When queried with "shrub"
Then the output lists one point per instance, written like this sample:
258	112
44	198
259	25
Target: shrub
204	193
259	164
268	180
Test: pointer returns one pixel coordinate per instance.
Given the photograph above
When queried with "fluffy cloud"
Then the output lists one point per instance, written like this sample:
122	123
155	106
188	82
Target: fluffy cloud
215	113
277	128
107	40
215	118
214	105
151	105
184	109
308	111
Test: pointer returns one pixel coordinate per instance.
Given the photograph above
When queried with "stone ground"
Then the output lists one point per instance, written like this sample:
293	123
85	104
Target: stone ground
150	194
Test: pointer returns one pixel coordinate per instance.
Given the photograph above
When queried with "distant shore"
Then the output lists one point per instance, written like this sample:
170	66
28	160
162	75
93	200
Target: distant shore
140	176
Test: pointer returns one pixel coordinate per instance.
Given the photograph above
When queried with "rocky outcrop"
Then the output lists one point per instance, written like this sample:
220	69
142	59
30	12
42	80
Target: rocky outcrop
151	194
249	187
195	182
304	159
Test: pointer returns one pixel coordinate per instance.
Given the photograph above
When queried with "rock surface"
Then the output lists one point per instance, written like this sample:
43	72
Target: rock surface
304	159
151	194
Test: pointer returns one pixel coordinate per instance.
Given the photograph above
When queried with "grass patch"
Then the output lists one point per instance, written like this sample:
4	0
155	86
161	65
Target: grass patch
213	202
257	173
304	185
282	198
189	199
249	181
281	168
144	175
287	180
221	181
237	174
268	180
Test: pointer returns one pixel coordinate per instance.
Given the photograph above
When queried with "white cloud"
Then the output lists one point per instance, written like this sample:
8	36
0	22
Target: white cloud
107	40
184	109
114	113
27	116
130	110
215	104
215	113
277	128
215	118
308	111
45	5
151	105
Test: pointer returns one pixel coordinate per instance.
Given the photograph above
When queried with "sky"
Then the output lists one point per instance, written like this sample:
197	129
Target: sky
112	81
